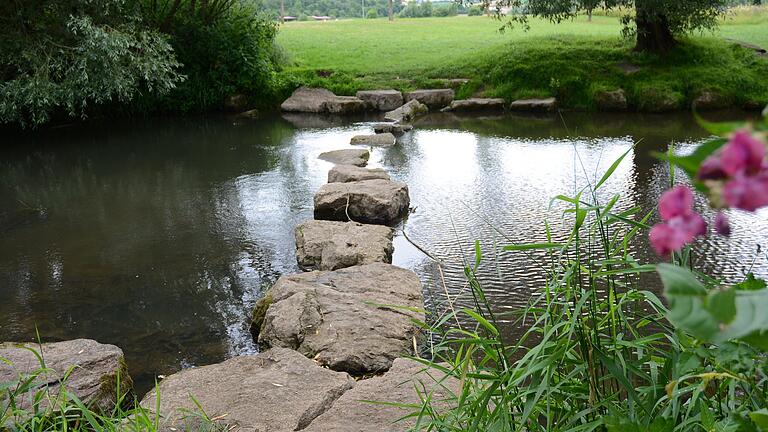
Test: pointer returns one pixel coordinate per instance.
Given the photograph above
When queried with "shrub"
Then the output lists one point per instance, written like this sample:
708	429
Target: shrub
372	14
475	11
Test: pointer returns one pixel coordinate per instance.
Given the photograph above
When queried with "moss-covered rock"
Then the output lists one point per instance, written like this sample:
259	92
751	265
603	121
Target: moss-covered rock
657	100
611	100
259	311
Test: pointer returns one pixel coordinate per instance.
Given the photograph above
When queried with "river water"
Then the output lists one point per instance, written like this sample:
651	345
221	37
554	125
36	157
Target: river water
158	236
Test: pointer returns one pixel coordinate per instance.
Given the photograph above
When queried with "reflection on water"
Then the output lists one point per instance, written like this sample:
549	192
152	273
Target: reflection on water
159	236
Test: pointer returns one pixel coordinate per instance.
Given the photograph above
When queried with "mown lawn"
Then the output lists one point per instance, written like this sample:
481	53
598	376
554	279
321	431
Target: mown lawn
571	60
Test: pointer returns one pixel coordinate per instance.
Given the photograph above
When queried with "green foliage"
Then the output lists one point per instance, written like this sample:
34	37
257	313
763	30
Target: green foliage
62	58
475	11
332	8
372	14
417	10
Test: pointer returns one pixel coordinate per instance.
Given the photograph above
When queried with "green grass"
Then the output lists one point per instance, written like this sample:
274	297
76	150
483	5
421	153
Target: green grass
571	60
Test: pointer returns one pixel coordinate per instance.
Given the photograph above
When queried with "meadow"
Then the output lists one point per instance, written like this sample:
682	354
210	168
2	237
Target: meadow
571	60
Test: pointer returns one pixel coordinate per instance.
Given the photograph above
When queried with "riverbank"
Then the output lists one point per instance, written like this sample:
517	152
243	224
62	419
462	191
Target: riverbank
574	61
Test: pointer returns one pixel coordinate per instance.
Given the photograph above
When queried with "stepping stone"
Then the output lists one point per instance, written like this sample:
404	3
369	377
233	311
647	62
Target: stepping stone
395	129
434	99
365	201
93	379
357	319
611	100
278	390
377	140
381	100
329	245
350	173
319	100
357	157
475	104
534	105
407	112
353	413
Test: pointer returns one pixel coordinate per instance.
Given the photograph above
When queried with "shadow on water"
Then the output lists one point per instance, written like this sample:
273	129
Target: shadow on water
158	236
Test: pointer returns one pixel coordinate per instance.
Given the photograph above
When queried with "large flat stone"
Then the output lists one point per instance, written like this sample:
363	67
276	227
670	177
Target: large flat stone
359	410
348	319
366	201
277	390
94	370
433	98
350	173
331	245
356	157
318	100
407	112
476	104
534	105
381	100
377	140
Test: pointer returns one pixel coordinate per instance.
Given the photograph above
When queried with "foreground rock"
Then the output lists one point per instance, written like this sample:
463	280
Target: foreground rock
351	413
476	104
377	140
534	105
329	245
366	201
94	377
407	112
350	173
345	319
611	100
395	129
357	157
318	100
381	100
276	390
433	99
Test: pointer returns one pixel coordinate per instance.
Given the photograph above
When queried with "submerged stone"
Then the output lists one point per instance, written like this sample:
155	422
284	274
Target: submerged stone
95	369
356	157
365	201
276	390
357	319
395	129
377	140
330	245
350	173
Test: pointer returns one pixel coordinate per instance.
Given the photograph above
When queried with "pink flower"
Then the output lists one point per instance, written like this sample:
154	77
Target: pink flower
743	153
711	169
677	201
681	224
747	192
722	224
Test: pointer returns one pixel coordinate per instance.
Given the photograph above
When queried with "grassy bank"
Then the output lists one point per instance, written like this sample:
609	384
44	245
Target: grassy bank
572	60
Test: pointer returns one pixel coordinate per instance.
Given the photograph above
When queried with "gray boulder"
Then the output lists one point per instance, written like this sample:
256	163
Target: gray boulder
377	140
357	157
476	104
318	100
534	105
357	319
94	377
277	390
611	100
395	129
367	406
381	100
709	100
350	173
366	201
329	245
434	99
407	112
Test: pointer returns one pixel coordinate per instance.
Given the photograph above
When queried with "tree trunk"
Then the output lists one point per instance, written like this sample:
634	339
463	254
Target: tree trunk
653	33
282	11
390	10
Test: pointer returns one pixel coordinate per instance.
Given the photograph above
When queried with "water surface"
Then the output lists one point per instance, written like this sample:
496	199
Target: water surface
158	236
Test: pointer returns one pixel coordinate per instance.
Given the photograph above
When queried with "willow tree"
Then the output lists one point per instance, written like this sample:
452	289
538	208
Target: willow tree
654	23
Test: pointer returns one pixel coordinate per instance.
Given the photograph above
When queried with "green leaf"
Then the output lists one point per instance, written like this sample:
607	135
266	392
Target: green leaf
690	164
760	418
532	246
719	128
750	283
722	305
613	167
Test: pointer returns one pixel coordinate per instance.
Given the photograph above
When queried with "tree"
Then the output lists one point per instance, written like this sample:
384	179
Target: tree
655	23
390	10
